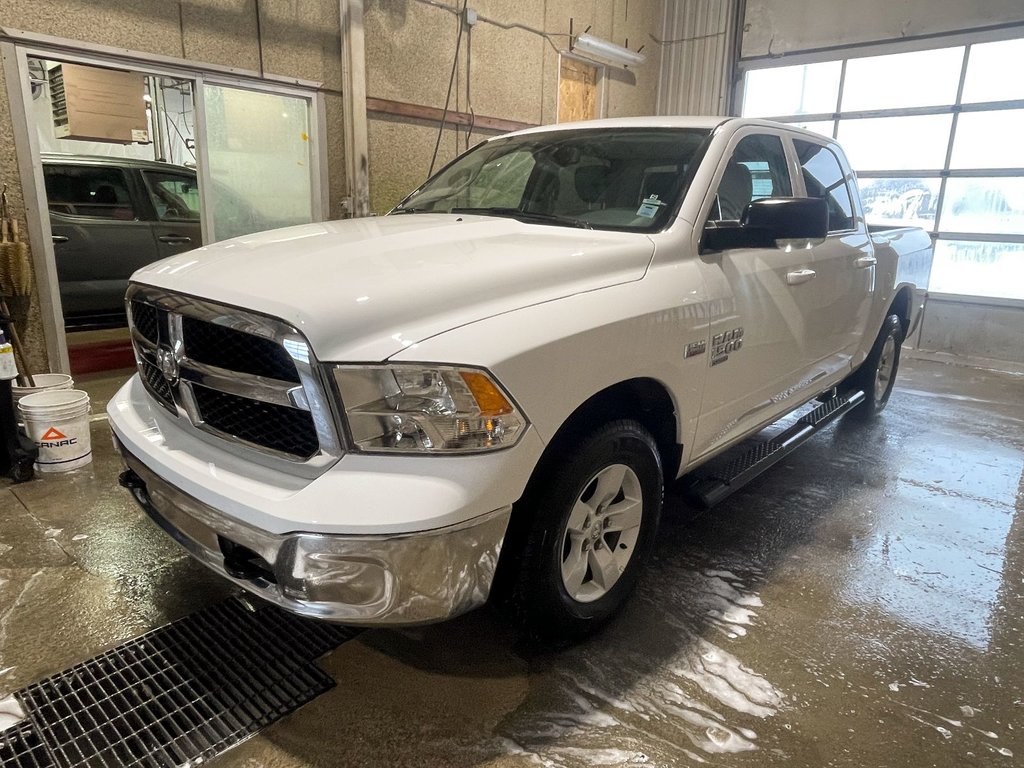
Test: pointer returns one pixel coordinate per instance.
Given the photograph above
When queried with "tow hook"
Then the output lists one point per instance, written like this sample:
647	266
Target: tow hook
130	480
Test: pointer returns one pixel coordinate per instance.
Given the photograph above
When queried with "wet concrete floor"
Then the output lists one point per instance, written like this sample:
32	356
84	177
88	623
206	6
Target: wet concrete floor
862	604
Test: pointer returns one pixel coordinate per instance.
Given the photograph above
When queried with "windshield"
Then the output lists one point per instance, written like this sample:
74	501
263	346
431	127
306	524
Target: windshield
626	179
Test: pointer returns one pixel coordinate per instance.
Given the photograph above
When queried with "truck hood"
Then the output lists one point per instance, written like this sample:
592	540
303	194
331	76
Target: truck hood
364	289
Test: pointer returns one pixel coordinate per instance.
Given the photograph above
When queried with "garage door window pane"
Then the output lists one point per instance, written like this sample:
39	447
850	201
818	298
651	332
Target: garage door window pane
984	205
805	89
896	143
989	140
901	80
978	269
900	202
988	69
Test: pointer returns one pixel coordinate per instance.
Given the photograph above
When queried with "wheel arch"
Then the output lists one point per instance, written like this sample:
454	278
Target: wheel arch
643	399
900	306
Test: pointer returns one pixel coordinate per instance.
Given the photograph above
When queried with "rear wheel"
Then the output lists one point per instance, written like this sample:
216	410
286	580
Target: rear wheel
582	532
877	375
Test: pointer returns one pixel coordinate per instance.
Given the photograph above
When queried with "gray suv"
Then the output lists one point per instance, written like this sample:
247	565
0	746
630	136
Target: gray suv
112	215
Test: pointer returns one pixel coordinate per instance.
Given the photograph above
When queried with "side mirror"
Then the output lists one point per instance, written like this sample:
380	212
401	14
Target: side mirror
766	221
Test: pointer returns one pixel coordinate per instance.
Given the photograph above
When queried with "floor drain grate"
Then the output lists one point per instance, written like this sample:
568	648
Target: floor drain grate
21	747
184	692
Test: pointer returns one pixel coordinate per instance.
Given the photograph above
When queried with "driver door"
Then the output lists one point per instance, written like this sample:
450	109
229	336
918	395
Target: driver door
758	351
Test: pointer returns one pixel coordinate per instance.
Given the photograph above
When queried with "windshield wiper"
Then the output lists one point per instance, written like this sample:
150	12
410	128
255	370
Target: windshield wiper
527	216
410	210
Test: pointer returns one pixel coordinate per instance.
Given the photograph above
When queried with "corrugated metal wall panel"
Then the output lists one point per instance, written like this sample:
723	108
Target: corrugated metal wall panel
697	57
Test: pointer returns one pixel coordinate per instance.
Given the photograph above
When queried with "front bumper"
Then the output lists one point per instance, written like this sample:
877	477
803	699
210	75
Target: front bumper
409	578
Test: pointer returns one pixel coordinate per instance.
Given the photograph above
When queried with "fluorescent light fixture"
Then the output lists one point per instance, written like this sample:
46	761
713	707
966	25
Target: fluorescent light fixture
607	51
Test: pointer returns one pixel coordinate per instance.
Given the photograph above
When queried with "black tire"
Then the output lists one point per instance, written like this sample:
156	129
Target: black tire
877	374
531	583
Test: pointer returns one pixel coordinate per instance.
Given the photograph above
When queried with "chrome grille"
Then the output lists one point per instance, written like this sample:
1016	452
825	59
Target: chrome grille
288	430
146	319
157	385
237	351
240	376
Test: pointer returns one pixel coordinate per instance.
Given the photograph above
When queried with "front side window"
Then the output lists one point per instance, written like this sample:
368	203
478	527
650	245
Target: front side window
97	192
823	177
628	179
175	196
756	170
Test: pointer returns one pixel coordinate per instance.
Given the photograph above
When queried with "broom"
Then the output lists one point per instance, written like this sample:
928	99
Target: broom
15	280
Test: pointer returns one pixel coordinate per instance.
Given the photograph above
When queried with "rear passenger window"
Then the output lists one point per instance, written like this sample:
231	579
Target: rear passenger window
756	170
823	177
101	193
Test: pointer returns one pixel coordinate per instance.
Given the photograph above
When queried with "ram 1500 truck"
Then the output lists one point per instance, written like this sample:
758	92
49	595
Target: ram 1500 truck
386	420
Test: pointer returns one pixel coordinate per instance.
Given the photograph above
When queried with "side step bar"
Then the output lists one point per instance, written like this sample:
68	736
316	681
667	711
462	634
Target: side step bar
707	490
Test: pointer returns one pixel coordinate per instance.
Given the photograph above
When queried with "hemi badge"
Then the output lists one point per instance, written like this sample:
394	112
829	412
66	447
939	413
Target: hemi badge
695	348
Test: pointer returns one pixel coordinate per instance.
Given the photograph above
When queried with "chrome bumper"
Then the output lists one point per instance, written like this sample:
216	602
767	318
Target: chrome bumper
412	578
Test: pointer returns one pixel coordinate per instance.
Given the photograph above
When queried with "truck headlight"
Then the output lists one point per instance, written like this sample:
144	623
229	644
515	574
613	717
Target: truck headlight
426	409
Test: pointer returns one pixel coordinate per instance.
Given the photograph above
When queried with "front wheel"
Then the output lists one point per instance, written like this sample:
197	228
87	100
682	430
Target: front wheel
585	527
877	374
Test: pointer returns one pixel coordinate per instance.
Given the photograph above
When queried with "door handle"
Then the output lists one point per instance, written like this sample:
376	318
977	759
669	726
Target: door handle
175	239
59	239
863	262
800	276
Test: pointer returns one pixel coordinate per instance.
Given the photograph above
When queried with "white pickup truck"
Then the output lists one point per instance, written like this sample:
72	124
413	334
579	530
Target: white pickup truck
387	420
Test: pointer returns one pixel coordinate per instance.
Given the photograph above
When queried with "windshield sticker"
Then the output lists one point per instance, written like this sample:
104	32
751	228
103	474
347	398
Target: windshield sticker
649	208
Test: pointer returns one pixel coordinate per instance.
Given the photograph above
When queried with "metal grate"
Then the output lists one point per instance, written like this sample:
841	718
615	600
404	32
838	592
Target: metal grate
22	747
278	427
146	320
184	692
236	351
157	385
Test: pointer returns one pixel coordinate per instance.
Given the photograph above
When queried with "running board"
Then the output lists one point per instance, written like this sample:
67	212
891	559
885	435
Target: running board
707	490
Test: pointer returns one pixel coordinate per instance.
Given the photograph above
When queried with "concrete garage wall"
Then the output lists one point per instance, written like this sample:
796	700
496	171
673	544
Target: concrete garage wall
973	332
513	73
777	27
295	39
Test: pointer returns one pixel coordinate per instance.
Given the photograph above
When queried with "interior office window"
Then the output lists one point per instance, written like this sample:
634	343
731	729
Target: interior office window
823	177
175	196
80	190
756	170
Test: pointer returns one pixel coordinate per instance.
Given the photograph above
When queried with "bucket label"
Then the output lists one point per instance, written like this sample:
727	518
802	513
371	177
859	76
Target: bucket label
54	438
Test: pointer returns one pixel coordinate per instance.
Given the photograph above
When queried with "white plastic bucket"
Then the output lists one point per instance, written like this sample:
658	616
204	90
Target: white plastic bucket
57	421
43	382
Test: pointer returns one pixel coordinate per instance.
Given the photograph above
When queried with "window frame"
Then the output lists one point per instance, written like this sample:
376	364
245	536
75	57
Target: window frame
708	206
856	213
